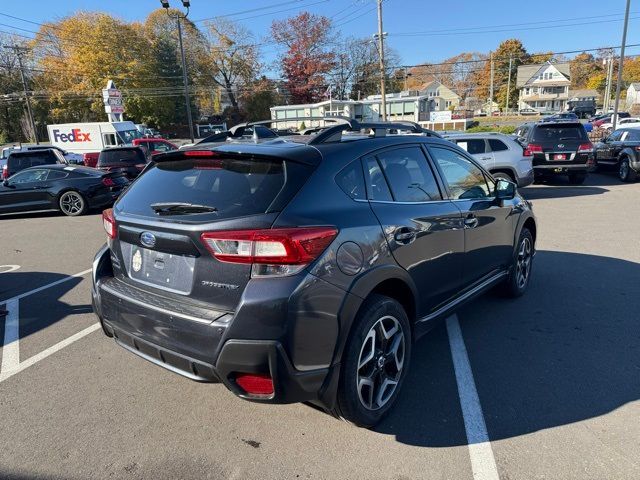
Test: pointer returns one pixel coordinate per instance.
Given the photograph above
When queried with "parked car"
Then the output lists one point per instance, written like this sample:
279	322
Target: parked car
620	150
72	190
19	160
609	119
501	155
558	148
564	116
293	271
128	160
631	122
155	145
528	111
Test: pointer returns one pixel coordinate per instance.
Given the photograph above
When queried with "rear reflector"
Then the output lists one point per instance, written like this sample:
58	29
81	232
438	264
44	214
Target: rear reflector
5	172
109	223
108	182
255	384
278	246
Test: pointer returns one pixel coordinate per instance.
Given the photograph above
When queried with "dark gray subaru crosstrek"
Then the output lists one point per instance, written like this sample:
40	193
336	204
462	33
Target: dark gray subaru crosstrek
304	269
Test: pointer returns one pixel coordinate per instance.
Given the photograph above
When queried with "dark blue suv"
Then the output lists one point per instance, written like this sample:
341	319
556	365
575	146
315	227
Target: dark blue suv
305	268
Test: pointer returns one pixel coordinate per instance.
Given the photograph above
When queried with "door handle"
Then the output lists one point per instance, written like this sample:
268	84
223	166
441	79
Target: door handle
471	221
405	234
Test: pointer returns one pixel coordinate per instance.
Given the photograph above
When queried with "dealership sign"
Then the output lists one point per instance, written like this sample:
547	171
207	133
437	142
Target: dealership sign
113	104
444	116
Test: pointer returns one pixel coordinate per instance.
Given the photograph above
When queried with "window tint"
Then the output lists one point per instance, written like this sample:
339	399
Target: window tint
409	175
466	181
554	133
351	180
497	145
32	159
56	175
116	156
235	187
376	184
30	176
472	145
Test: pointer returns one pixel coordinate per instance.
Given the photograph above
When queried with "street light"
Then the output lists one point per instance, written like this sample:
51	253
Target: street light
186	4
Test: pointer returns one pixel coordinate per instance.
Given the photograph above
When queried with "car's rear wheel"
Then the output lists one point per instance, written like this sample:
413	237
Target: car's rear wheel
520	272
577	178
625	172
72	203
375	361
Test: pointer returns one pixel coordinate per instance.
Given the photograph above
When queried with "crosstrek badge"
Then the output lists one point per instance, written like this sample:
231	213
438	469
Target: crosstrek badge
76	135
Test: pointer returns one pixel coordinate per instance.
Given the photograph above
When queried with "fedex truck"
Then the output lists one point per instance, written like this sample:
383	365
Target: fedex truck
89	139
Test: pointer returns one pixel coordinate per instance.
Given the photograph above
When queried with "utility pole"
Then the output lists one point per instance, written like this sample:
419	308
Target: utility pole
19	51
621	64
178	17
383	89
509	85
491	88
607	90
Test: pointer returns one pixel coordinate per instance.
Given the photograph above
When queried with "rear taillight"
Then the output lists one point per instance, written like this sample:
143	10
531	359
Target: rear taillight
585	148
254	384
200	153
109	223
5	172
273	252
531	149
108	182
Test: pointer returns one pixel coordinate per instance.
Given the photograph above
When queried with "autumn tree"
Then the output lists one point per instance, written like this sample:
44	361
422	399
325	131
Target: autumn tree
307	60
258	98
583	67
12	106
232	57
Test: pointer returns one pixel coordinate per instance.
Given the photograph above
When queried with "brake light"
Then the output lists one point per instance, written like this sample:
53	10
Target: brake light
109	223
273	252
586	148
108	182
531	149
5	172
200	153
255	384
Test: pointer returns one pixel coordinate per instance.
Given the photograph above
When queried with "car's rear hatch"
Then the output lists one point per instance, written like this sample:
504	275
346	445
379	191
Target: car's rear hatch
161	219
560	143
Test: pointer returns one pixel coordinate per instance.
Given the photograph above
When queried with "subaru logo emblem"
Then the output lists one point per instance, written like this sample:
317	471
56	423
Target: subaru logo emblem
148	239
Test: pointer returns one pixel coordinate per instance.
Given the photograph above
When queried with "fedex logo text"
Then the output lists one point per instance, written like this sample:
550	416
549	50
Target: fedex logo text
75	136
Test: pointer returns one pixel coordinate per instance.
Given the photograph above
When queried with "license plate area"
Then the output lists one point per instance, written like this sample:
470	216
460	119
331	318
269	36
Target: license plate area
159	269
560	156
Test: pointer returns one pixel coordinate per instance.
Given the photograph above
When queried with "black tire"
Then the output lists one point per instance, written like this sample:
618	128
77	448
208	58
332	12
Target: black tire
514	286
625	172
72	203
503	176
577	178
360	388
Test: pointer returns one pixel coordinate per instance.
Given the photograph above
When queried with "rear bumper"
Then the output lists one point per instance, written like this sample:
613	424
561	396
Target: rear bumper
574	168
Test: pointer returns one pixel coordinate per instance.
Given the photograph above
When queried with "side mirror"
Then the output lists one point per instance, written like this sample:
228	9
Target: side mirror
505	190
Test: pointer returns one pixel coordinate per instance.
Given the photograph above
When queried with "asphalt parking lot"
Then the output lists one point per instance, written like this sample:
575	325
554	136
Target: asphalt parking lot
546	386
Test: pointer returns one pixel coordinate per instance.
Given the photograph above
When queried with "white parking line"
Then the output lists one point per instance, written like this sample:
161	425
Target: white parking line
11	345
483	463
9	268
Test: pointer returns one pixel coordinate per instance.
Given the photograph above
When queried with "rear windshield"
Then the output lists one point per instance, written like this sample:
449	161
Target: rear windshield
22	161
553	133
114	157
234	187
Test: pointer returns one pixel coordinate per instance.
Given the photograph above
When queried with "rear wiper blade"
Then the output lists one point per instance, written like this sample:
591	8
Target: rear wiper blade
178	208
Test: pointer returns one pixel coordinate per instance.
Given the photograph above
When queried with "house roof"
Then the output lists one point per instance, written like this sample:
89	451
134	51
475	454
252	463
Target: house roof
585	93
426	85
526	72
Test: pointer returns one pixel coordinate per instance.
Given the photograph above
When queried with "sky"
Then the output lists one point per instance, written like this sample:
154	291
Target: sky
419	30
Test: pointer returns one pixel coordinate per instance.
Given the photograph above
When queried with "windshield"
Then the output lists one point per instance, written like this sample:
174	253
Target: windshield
128	136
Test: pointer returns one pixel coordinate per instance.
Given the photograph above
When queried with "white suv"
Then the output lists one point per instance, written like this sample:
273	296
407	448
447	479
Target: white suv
498	153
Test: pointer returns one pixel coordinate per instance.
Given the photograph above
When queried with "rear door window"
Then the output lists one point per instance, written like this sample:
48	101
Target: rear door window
234	187
409	176
30	176
376	183
473	146
497	145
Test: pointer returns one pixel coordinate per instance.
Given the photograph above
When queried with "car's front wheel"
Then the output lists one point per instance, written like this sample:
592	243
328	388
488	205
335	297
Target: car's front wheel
520	272
72	203
375	361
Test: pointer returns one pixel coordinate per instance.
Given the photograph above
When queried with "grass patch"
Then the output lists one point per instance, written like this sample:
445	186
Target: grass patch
508	129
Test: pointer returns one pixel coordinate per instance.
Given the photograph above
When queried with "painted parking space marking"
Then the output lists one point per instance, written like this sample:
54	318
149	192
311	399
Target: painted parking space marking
8	268
483	463
11	363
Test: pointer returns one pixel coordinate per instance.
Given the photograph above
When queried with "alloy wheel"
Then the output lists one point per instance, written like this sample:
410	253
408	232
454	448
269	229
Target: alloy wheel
624	170
523	263
71	203
380	363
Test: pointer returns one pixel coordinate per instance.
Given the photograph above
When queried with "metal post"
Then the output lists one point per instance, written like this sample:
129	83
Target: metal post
509	85
185	81
19	51
491	88
621	64
383	89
